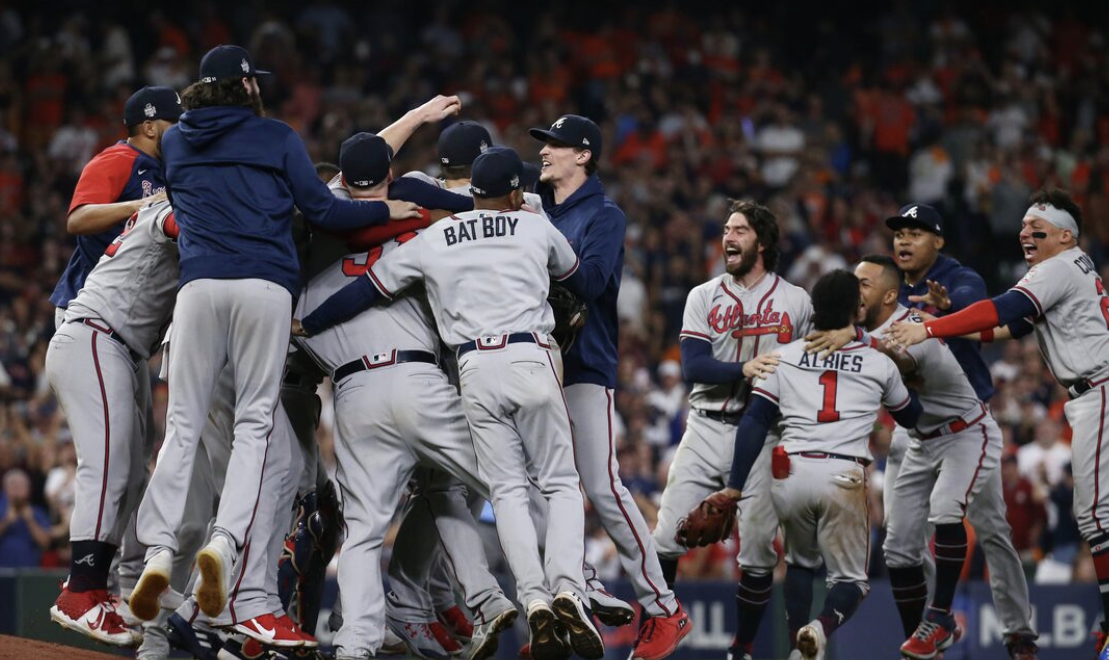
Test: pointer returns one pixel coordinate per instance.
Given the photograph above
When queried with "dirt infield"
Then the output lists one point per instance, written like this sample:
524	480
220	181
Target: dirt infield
32	649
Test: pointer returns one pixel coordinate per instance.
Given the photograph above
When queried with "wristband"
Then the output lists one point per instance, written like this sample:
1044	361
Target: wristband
986	336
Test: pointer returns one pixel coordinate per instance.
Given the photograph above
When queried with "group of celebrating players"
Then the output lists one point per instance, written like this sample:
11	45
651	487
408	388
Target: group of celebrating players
425	302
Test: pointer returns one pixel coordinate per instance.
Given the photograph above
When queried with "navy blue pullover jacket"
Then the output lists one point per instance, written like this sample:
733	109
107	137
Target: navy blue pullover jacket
595	227
964	287
233	179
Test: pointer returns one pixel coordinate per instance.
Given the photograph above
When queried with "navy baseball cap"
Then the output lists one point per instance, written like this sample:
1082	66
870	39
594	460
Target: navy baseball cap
150	103
461	143
572	130
364	159
917	215
496	172
224	61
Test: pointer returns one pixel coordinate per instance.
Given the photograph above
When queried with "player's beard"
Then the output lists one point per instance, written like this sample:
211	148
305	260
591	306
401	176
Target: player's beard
747	260
870	317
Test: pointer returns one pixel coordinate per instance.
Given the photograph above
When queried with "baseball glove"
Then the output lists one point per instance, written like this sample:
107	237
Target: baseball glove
570	313
711	521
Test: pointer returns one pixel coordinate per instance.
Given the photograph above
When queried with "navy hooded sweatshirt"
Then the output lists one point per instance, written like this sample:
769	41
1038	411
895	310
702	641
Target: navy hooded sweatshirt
964	287
595	227
233	179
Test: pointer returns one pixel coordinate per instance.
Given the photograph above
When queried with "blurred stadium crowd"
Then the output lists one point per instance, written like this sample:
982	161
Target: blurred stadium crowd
834	121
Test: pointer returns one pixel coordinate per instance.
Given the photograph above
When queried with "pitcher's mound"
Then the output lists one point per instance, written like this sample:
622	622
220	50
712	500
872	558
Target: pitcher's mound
12	648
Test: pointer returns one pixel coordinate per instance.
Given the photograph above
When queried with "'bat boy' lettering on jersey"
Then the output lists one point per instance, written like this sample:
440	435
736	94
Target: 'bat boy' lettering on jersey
490	227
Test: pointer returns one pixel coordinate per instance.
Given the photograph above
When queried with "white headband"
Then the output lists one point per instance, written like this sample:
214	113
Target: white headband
1056	216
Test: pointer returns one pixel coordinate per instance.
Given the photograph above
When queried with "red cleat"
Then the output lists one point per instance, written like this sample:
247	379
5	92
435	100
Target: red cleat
659	636
267	630
92	614
936	633
457	624
287	622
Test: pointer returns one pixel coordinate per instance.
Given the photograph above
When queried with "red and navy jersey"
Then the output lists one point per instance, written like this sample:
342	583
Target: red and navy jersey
120	173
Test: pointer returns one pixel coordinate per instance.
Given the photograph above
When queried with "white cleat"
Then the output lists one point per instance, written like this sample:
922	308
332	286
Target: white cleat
145	597
811	641
214	563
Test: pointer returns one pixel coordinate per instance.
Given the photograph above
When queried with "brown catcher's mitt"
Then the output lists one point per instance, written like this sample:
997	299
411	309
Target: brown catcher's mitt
570	314
710	522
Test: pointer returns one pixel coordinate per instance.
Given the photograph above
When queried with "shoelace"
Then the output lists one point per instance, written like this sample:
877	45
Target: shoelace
647	631
925	630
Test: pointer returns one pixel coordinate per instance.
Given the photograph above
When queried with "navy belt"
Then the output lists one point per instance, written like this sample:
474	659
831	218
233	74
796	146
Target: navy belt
98	324
498	342
725	417
365	363
1081	388
827	454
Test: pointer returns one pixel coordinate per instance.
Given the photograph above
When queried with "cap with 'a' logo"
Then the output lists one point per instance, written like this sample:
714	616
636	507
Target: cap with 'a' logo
917	215
461	143
150	103
574	131
227	61
364	159
496	172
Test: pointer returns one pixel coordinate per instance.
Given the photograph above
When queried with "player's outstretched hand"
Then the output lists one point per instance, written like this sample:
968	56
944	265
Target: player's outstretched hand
827	342
761	366
906	334
298	329
710	521
400	210
439	108
936	297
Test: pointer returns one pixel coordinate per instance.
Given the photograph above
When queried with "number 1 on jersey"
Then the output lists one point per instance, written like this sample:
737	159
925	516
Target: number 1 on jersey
828	413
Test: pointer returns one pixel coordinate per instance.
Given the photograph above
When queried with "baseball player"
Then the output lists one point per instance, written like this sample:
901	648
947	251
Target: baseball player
828	407
406	342
96	366
234	177
487	274
1063	301
939	285
459	144
733	325
574	200
115	184
950	458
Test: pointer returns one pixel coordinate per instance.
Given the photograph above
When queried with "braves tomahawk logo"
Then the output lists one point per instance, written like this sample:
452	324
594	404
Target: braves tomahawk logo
767	322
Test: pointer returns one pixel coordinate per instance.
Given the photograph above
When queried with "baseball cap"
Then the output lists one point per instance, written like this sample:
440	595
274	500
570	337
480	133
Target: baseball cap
364	159
151	103
227	61
496	172
917	215
462	142
573	130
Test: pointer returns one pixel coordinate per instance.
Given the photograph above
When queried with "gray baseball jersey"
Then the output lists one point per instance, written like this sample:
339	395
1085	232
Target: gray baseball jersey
487	273
403	325
134	285
1072	326
945	394
832	403
742	323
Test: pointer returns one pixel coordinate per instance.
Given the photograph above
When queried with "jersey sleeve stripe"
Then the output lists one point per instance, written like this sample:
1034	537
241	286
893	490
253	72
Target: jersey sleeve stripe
380	287
765	394
573	269
900	405
1031	296
693	335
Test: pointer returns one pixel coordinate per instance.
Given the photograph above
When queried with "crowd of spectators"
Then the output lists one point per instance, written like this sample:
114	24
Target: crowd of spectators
832	121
